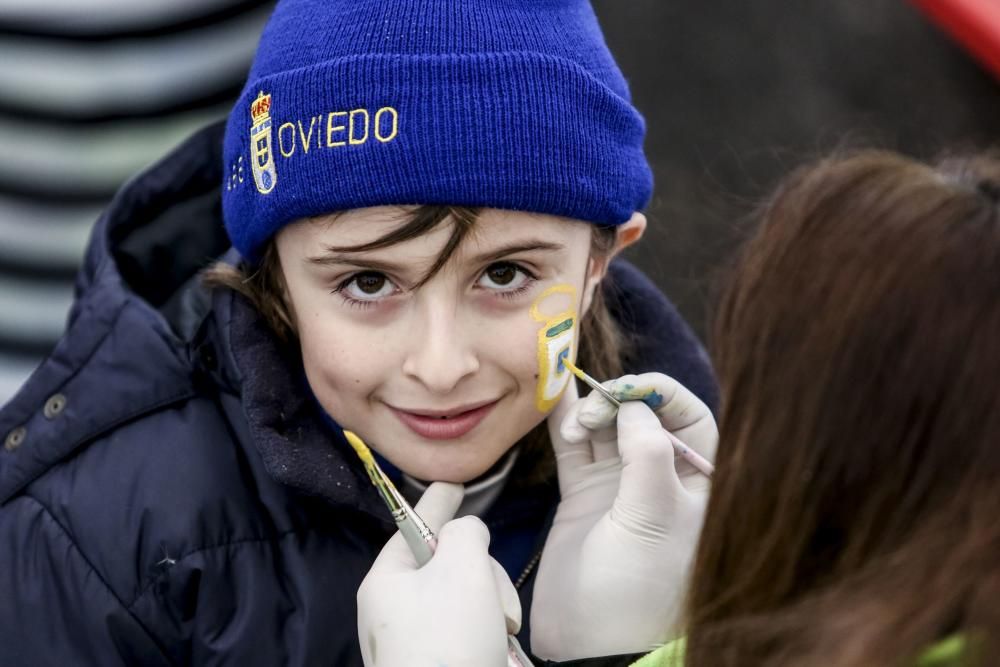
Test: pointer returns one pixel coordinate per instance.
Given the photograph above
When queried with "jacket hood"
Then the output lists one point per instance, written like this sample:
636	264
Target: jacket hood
145	332
129	331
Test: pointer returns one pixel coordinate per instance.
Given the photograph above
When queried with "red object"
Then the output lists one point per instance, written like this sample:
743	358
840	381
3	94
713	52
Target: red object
974	23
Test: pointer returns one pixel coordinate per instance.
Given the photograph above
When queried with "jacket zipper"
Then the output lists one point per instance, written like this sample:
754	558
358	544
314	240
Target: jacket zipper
527	569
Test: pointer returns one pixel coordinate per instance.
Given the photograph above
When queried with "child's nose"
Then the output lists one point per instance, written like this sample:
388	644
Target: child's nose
440	353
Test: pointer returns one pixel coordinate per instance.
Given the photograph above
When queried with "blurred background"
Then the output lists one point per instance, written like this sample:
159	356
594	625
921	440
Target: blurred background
734	94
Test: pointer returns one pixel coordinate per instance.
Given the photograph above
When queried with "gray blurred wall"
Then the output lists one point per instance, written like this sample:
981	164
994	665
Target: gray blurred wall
90	93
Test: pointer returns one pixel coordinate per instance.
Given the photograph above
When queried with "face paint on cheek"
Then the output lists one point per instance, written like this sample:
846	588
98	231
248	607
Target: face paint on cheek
556	342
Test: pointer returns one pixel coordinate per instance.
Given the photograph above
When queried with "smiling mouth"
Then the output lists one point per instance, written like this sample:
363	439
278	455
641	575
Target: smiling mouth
444	424
448	413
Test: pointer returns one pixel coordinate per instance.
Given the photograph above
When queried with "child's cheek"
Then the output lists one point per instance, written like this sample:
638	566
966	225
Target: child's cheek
510	343
340	365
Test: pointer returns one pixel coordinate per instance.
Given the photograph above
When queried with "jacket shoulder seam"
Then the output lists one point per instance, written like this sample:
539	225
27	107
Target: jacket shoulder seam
88	437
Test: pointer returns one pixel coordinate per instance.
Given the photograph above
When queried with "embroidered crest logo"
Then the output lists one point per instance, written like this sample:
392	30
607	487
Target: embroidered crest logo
262	157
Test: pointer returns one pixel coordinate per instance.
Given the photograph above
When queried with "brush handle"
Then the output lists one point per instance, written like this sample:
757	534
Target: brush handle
516	656
421	544
691	456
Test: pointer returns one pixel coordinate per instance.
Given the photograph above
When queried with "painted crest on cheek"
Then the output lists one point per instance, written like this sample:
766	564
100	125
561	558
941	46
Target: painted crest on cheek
556	342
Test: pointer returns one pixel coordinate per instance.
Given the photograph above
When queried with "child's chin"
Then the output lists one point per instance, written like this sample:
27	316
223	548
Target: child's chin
457	476
449	472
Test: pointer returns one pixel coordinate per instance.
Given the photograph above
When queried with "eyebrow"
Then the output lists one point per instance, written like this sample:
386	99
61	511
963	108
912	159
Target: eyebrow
334	257
514	248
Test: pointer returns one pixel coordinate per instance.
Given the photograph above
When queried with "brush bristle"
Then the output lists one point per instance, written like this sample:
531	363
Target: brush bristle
360	447
574	370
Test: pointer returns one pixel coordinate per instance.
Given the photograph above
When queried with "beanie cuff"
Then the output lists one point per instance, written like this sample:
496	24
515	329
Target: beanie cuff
521	131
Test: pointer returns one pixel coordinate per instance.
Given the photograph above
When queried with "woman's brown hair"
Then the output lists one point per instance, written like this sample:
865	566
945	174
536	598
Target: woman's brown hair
855	512
601	341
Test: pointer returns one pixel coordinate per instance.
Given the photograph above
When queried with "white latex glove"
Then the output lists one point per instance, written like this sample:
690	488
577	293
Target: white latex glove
456	610
614	569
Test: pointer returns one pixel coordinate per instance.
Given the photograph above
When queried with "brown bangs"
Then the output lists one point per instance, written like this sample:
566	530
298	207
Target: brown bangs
420	221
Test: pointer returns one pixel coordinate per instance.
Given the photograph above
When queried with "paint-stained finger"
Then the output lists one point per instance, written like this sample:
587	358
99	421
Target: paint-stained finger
682	413
678	409
675	405
598	412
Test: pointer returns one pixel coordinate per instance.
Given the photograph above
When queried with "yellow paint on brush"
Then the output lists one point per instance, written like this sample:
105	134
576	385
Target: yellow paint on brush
556	344
361	448
576	371
392	498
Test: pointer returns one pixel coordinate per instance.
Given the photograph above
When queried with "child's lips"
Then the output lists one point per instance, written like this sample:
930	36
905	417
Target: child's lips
444	424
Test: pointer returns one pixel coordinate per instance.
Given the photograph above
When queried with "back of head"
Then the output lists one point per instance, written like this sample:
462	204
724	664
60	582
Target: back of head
510	104
852	519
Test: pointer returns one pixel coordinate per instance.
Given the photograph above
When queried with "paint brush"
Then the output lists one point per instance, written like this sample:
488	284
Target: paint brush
685	452
418	535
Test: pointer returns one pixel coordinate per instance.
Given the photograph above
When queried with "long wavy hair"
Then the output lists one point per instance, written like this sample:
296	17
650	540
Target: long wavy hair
855	513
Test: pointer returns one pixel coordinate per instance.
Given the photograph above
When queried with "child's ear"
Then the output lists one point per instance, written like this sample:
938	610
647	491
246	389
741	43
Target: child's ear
625	235
629	233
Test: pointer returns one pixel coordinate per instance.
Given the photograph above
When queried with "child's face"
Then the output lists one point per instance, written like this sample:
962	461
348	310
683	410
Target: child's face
388	361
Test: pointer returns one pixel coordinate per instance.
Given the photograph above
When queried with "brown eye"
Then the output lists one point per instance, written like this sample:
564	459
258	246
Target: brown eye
502	274
505	278
370	283
368	286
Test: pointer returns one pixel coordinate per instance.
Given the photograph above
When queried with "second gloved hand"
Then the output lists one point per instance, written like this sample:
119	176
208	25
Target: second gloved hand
456	610
615	564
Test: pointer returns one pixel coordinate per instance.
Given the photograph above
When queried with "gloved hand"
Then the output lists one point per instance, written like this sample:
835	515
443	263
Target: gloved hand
615	565
455	610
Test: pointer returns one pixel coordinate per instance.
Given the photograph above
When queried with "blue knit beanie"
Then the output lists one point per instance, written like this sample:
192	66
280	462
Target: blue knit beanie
511	104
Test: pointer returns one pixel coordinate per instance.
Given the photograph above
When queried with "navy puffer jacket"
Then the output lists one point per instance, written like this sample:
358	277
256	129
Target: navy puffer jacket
169	492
